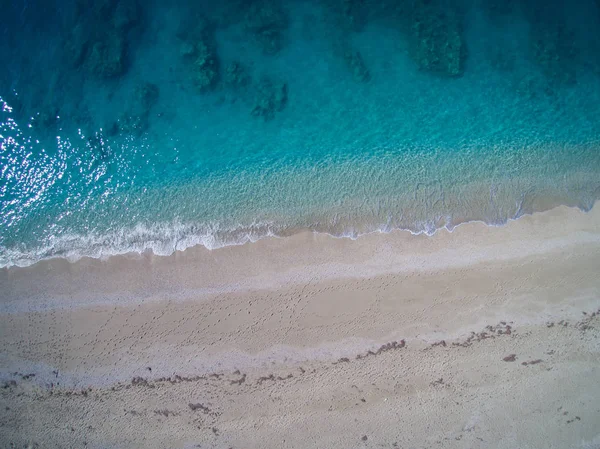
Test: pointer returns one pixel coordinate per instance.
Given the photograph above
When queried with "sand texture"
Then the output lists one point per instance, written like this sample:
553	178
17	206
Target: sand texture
483	337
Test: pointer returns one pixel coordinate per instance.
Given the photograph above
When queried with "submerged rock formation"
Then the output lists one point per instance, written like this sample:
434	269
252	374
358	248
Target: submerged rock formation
356	64
199	49
206	66
236	75
107	56
98	39
271	97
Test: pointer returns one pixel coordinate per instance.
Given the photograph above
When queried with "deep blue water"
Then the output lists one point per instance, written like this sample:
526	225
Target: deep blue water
134	126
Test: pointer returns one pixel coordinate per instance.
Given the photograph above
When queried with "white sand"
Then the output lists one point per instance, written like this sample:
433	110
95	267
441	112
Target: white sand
272	341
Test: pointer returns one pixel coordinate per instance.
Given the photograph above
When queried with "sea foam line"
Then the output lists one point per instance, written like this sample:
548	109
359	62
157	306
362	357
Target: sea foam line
166	239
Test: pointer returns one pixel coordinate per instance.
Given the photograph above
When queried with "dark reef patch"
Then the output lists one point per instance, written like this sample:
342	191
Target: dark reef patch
99	41
236	75
270	97
357	66
199	50
99	36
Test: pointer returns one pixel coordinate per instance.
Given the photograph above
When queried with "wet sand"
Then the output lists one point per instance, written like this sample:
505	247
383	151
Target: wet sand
483	337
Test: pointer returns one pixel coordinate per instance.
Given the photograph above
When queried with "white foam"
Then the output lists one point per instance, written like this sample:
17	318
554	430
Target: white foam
167	238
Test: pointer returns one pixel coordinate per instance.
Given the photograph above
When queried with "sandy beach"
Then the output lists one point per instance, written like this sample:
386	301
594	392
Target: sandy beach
481	337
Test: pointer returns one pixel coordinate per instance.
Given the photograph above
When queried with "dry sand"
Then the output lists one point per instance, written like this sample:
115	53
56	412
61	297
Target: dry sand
483	337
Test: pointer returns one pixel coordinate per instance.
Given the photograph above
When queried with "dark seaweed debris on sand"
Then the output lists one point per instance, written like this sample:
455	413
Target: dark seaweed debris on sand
392	346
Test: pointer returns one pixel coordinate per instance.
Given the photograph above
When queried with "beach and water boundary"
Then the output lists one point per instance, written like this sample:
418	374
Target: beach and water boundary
379	315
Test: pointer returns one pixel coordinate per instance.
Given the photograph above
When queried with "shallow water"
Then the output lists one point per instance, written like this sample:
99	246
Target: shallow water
343	117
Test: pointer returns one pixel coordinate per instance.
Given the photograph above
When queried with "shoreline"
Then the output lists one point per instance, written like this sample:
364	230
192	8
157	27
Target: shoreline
160	244
311	341
313	247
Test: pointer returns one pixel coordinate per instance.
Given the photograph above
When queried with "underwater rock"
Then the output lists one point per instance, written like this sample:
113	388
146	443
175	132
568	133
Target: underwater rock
236	75
199	49
206	67
106	58
98	37
271	97
437	41
77	44
267	22
357	66
147	95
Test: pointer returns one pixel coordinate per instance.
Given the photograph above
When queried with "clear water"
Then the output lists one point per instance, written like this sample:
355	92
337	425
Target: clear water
90	168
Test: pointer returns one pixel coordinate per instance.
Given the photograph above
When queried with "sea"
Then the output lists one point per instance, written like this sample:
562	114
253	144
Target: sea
134	126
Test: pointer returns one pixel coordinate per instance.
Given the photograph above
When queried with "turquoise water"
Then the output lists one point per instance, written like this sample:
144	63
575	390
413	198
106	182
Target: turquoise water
130	128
